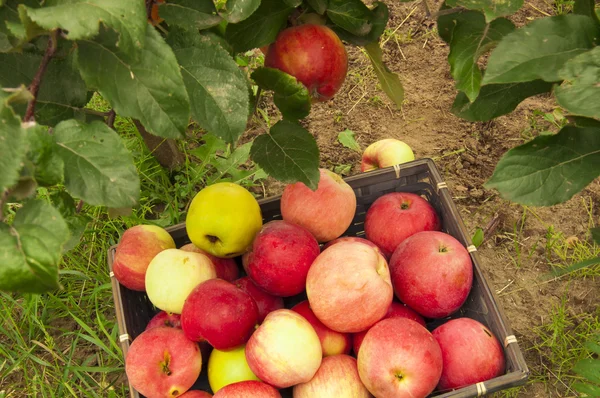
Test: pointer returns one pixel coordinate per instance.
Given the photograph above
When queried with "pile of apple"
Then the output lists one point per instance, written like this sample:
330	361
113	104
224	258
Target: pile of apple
358	308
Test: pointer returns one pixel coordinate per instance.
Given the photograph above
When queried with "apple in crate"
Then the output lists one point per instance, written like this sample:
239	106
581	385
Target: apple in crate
470	351
173	274
264	301
353	239
136	248
220	313
226	268
280	257
432	273
349	287
162	362
337	377
399	359
395	216
248	389
385	153
327	212
332	342
164	318
227	367
196	394
285	350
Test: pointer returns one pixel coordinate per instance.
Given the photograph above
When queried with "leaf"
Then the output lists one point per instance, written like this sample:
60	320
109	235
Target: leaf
583	121
549	169
238	10
291	97
589	389
379	19
446	23
477	238
587	8
580	92
588	368
212	144
390	82
30	249
24	29
351	15
288	153
346	138
261	28
595	235
231	165
540	49
49	166
556	272
13	141
98	167
150	89
197	14
320	6
491	8
77	223
81	20
496	99
293	3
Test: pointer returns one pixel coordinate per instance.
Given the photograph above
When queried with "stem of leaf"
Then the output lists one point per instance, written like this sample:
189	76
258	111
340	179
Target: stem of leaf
110	121
149	4
34	87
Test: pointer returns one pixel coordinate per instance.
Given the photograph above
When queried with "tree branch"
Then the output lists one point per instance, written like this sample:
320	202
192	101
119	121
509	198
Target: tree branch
110	121
34	87
149	4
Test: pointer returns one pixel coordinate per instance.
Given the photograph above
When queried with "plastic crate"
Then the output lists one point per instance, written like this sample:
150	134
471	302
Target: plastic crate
134	310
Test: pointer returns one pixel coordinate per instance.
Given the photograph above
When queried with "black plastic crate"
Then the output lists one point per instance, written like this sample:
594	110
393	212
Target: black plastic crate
134	310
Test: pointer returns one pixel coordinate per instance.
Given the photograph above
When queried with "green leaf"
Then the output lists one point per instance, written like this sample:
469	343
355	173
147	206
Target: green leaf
24	29
477	238
351	15
320	6
77	223
595	235
98	167
589	389
588	368
346	138
13	139
540	49
491	8
217	88
446	23
238	10
261	28
390	82
81	20
288	153
584	121
212	144
150	89
549	169
49	166
31	247
587	8
580	92
379	19
291	97
496	100
197	14
230	166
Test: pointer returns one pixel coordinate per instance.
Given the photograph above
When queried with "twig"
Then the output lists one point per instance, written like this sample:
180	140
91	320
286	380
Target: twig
79	207
258	94
110	121
149	4
34	87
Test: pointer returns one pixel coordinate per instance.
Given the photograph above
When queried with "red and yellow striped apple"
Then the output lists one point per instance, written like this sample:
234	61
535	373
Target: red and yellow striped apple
226	268
385	153
264	301
247	389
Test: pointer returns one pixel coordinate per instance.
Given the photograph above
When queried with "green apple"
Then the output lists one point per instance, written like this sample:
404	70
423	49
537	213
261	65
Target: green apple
228	367
223	219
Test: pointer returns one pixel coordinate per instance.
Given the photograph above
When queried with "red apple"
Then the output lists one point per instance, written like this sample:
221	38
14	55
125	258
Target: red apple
399	358
349	287
385	153
395	216
327	212
353	239
164	318
314	55
162	362
337	377
136	248
247	389
432	273
226	267
196	394
264	301
332	342
220	313
470	351
280	257
396	310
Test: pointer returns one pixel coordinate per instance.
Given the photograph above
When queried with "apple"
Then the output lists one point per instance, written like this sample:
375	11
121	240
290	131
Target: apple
220	313
196	394
284	350
327	212
399	358
136	248
314	55
223	219
348	287
247	389
162	362
264	301
280	257
227	367
470	352
396	310
432	273
385	153
337	377
332	342
164	318
226	268
395	216
353	239
173	274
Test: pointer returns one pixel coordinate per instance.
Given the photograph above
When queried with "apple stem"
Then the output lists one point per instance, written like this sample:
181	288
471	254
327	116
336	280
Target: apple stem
165	364
443	249
212	238
405	206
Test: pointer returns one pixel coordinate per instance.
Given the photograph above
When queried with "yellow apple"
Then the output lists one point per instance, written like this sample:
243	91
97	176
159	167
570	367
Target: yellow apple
223	219
228	367
386	153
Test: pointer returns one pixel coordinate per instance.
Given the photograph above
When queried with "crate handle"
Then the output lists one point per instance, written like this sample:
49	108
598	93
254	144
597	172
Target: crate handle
471	248
481	390
510	339
397	170
441	185
124	337
111	274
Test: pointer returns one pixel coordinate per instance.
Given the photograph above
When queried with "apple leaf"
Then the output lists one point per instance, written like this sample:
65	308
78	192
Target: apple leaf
208	150
77	222
230	166
49	166
197	14
291	97
477	238
491	8
379	19
351	15
288	153
390	82
149	89
587	8
540	49
31	248
293	3
595	235
238	10
98	167
346	138
565	163
446	23
14	141
320	6
580	92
